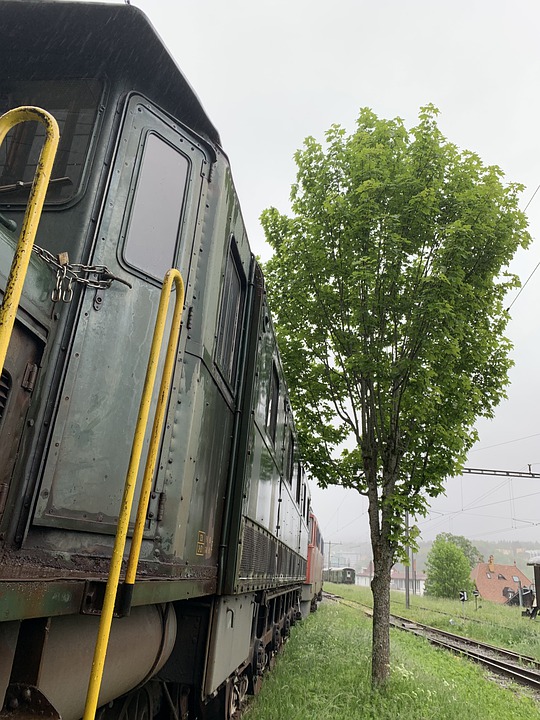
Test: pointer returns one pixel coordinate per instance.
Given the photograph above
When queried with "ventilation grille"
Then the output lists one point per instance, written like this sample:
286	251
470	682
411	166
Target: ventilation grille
289	564
265	558
5	387
258	555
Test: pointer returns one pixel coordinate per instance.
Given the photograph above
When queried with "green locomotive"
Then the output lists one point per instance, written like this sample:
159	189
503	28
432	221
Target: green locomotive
140	185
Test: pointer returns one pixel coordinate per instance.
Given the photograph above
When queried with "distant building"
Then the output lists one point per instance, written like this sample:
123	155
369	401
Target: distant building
500	583
364	576
417	580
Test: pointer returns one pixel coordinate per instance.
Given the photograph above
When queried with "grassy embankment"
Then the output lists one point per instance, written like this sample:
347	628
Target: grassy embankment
324	674
490	623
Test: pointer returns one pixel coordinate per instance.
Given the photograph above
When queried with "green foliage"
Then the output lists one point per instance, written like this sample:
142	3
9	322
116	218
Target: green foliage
387	284
470	551
447	569
323	673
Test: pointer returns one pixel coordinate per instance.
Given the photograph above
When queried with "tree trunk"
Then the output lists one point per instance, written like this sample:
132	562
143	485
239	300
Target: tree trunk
380	587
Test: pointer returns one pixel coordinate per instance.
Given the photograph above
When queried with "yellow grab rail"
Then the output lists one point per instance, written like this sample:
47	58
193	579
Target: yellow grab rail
131	478
23	251
159	417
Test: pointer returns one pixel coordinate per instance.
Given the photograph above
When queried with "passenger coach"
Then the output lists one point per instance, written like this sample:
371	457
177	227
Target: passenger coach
346	576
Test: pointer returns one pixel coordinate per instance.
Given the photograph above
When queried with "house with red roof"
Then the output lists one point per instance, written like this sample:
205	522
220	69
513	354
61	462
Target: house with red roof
500	583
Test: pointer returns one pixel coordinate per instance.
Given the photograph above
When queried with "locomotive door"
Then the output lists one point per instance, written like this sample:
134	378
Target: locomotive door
148	225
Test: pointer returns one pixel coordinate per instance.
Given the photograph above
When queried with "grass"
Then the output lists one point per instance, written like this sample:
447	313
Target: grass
491	623
324	674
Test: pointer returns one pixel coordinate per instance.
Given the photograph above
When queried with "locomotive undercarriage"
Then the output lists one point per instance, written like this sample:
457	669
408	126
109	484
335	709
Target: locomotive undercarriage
274	613
173	647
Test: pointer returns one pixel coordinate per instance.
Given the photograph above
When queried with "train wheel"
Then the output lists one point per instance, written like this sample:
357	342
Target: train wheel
286	630
138	705
276	638
233	700
259	658
236	691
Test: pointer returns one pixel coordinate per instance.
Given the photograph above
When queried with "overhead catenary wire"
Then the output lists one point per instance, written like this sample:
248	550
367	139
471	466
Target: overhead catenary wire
531	199
522	288
468	509
506	442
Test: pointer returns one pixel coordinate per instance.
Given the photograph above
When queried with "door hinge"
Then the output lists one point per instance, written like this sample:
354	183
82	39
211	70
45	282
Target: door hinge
156	506
29	377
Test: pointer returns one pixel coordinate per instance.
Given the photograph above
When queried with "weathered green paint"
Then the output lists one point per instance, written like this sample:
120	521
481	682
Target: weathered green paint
29	599
33	599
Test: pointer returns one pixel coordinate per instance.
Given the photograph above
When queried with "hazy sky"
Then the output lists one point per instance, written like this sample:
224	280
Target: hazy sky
271	73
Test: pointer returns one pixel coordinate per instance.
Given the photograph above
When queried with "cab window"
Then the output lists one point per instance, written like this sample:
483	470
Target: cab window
289	462
228	339
272	406
74	104
157	208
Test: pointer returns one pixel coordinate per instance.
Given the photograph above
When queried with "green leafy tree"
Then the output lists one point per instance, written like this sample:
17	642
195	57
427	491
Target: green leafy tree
387	285
448	570
471	552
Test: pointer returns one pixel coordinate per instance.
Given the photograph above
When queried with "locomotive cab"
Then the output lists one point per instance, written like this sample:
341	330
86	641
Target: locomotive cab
139	185
124	173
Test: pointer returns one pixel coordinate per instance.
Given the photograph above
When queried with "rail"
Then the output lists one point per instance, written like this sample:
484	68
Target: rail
520	668
23	251
96	675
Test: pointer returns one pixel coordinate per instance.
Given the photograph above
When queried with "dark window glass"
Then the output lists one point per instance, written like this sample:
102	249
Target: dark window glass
229	320
272	407
74	105
157	207
289	463
298	482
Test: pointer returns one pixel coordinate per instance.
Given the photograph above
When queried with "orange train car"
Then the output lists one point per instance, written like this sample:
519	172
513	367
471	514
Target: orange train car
312	589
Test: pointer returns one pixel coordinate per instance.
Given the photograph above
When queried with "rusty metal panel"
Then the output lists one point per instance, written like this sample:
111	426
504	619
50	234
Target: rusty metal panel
18	380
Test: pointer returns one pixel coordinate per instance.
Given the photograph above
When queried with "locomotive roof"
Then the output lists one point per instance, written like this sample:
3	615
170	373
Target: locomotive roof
109	37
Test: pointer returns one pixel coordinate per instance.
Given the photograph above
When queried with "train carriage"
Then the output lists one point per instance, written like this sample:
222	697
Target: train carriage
312	590
140	185
345	576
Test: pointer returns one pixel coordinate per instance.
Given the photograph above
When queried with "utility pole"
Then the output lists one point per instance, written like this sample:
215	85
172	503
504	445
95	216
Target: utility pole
407	588
330	552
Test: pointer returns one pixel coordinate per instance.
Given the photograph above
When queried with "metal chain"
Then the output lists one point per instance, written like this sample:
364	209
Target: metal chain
94	276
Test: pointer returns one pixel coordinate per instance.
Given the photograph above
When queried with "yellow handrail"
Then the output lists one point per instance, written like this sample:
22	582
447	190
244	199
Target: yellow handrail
131	478
159	417
23	251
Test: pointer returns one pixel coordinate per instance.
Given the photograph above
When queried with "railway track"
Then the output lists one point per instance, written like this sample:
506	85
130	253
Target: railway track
520	668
